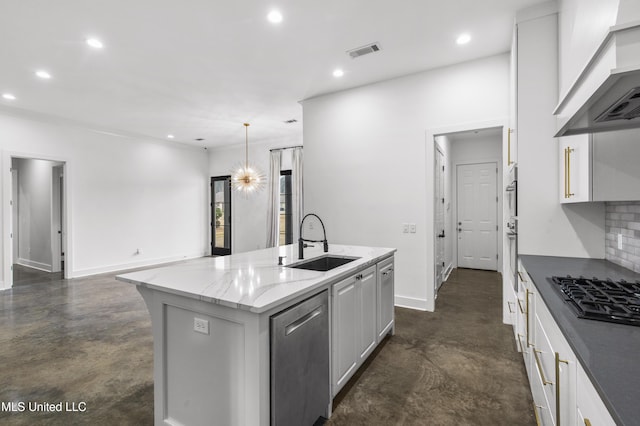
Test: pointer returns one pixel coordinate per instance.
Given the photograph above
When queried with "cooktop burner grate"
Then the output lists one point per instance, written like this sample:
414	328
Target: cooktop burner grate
603	300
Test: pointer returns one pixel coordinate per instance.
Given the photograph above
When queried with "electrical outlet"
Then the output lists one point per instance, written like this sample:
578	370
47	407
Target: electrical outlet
619	241
412	228
201	325
405	228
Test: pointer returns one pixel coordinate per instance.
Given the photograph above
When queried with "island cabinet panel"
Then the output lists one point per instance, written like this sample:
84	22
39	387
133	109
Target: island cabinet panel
368	312
385	297
360	305
344	331
189	387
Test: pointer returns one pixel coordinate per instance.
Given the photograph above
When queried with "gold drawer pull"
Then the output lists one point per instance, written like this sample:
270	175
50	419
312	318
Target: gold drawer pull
520	336
521	277
528	328
511	311
522	311
535	411
587	422
544	379
558	361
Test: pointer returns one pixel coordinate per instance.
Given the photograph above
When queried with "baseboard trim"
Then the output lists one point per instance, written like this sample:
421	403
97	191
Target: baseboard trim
35	265
132	265
411	303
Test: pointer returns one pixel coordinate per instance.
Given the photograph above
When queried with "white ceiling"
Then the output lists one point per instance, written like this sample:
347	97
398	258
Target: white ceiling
200	68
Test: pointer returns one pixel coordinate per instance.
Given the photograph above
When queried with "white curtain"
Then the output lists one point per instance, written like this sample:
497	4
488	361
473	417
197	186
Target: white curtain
297	189
273	206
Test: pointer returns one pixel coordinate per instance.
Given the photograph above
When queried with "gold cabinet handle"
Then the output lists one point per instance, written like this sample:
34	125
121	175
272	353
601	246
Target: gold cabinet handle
565	174
520	336
511	311
558	361
568	172
535	411
528	332
509	162
544	379
521	277
587	422
522	311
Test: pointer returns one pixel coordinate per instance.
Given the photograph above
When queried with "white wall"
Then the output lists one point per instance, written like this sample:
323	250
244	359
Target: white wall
369	159
249	214
123	193
35	185
485	147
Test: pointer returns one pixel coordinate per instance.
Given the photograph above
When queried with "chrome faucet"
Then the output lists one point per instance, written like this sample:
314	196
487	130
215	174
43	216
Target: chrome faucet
301	241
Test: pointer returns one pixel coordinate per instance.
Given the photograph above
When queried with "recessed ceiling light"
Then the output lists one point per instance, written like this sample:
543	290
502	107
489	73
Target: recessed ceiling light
463	38
170	136
338	73
274	17
43	74
95	43
8	96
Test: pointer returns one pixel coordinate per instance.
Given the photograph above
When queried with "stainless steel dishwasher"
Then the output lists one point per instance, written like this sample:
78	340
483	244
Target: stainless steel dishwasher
300	363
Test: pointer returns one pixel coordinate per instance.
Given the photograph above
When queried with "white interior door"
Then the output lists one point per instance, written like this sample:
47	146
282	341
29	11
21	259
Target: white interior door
477	215
439	217
14	215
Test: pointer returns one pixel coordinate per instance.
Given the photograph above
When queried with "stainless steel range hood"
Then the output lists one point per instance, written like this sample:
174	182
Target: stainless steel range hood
606	95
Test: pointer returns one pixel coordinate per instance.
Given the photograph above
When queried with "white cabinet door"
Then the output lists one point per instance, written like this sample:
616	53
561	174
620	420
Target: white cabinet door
385	298
367	293
590	408
344	334
575	169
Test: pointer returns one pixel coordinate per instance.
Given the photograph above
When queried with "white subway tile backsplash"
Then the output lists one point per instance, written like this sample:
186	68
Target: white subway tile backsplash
623	217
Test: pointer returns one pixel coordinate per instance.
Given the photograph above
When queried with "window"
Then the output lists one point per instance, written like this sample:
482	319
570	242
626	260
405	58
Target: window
286	220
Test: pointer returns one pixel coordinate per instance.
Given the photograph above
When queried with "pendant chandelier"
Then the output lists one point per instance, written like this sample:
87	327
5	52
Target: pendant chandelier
245	177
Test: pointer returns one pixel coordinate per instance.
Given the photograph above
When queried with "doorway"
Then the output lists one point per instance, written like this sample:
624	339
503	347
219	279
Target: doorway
221	215
37	210
477	211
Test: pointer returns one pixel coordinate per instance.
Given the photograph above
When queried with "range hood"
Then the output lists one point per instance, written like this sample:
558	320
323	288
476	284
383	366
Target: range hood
606	94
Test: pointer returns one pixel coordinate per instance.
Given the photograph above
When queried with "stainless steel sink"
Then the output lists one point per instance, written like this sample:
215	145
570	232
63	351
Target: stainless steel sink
323	263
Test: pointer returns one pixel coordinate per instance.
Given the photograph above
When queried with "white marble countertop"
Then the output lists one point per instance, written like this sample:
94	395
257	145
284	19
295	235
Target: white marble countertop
253	280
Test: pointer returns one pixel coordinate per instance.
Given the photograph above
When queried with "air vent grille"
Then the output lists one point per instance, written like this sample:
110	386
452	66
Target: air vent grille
364	50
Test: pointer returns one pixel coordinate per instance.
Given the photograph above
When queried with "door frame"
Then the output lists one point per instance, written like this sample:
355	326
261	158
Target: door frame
7	214
439	279
430	233
454	197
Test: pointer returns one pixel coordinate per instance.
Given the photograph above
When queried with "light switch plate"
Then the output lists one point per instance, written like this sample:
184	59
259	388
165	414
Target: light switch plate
405	228
412	228
201	325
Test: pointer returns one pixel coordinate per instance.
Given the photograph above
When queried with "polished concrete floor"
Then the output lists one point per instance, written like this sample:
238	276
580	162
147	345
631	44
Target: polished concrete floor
89	341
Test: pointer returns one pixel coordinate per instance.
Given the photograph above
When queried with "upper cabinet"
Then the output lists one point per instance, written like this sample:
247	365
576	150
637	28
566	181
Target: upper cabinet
512	135
616	175
575	169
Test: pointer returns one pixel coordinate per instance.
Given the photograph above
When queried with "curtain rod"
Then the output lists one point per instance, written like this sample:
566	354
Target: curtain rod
288	147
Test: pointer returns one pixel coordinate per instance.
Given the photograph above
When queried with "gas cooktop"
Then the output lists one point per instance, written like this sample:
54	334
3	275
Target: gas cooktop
603	300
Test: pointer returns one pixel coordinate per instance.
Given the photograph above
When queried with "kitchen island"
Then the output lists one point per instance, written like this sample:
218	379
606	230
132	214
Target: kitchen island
210	321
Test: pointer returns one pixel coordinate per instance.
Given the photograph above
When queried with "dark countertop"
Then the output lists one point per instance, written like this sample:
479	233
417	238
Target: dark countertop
609	353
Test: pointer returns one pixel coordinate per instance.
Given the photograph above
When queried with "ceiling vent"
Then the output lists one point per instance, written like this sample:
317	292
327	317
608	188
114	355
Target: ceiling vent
364	50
